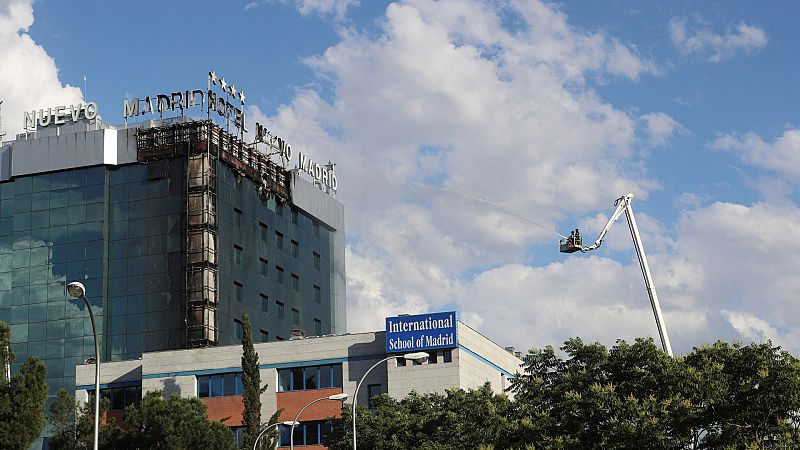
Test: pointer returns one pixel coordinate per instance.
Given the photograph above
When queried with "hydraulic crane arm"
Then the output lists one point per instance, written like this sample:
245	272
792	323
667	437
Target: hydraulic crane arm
623	204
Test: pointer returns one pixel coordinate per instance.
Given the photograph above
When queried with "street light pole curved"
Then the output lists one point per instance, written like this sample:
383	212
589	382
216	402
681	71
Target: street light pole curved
291	430
276	424
358	386
77	289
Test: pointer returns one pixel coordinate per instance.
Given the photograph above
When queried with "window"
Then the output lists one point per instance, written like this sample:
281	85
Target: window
264	232
264	335
447	356
264	303
432	356
311	377
317	327
316	260
237	254
279	209
279	239
306	433
238	291
296	282
280	309
295	216
401	362
237	217
316	229
264	267
279	274
238	329
119	397
295	248
295	317
220	385
373	390
238	435
317	294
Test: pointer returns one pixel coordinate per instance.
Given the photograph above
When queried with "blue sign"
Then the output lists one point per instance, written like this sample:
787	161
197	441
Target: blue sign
406	334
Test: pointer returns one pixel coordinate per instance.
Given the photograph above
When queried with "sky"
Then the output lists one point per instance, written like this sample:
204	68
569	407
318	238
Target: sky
469	134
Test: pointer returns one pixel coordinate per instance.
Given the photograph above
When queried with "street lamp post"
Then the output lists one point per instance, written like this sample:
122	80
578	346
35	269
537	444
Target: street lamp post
291	431
77	290
416	356
287	423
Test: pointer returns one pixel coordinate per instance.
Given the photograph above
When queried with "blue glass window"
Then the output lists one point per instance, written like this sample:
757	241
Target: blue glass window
220	385
312	432
311	377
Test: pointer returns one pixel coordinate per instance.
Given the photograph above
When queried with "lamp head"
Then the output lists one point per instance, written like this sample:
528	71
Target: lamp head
290	423
76	289
341	396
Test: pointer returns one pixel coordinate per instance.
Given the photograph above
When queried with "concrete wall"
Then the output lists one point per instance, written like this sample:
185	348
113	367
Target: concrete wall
111	372
481	360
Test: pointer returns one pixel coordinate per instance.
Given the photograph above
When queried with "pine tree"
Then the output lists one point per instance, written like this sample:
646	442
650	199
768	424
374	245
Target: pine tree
251	379
21	398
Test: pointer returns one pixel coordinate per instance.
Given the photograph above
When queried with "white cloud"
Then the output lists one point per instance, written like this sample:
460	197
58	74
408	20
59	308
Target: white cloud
781	155
446	95
28	75
661	127
703	42
334	8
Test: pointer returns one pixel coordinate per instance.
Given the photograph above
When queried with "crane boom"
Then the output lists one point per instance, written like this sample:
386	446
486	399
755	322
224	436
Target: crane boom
623	204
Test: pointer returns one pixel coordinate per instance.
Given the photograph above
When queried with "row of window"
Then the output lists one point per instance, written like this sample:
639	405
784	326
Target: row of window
433	358
239	331
307	433
311	377
280	276
119	398
220	385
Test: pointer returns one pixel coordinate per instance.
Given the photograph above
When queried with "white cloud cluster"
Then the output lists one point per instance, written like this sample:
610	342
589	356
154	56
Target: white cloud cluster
661	127
703	42
334	8
781	155
28	75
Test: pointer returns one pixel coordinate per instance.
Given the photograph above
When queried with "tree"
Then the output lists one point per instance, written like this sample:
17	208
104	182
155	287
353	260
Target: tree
251	379
174	423
457	419
72	427
22	398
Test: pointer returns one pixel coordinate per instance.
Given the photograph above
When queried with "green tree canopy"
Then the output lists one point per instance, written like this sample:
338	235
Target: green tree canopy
22	398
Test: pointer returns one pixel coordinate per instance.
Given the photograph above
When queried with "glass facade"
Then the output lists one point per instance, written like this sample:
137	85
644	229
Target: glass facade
269	255
122	232
119	232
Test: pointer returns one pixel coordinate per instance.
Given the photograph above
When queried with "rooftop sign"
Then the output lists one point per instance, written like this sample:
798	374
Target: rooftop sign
59	115
421	332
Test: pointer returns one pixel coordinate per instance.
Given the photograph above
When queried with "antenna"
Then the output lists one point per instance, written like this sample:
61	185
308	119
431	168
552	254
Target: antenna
2	133
84	88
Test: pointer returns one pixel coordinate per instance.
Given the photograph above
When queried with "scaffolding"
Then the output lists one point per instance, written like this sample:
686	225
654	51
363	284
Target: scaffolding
203	144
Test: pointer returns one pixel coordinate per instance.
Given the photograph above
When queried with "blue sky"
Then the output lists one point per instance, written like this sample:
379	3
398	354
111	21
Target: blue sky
549	109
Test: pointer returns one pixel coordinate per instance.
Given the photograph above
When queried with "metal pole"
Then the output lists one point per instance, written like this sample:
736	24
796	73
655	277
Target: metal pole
355	396
291	430
96	375
648	280
255	444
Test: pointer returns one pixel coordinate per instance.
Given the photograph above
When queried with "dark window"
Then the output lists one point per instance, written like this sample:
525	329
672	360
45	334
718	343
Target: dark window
296	282
264	231
279	239
316	229
432	355
119	398
295	317
237	217
238	435
295	248
311	377
264	267
237	254
280	309
295	216
279	209
317	294
316	260
401	362
279	274
317	327
264	335
306	433
238	291
220	385
238	329
373	390
264	304
447	356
